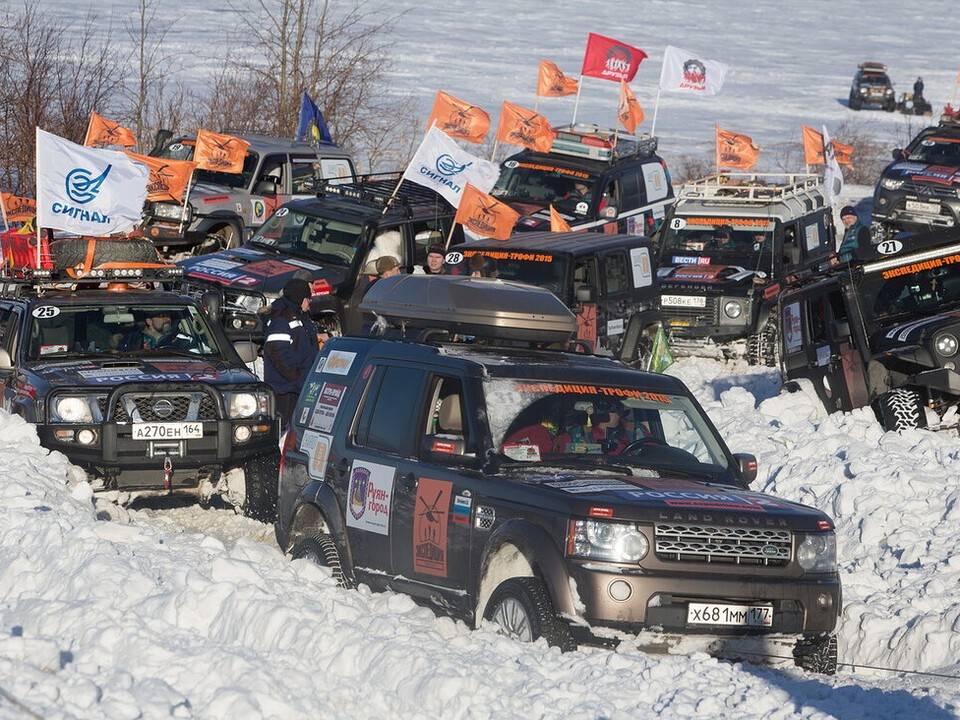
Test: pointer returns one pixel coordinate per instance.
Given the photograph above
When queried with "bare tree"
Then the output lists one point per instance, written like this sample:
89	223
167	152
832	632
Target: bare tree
147	89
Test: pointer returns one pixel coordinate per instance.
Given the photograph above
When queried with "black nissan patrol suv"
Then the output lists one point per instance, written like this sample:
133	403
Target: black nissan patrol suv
883	333
474	463
133	384
609	281
597	179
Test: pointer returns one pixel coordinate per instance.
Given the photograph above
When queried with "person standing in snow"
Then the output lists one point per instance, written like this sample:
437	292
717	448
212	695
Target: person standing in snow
290	347
856	237
918	90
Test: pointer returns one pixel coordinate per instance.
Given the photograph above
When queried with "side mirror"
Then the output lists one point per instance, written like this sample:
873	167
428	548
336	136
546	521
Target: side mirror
840	330
748	466
246	349
898	154
586	294
212	303
266	187
5	362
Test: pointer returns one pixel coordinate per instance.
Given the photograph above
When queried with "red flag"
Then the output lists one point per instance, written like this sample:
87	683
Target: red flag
18	209
519	126
553	83
222	153
458	119
485	215
630	113
557	223
735	150
610	59
168	178
813	148
102	132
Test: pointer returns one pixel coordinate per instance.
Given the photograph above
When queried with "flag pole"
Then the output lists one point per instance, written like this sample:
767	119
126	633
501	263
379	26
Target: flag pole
716	145
493	153
656	107
3	208
446	243
955	86
186	202
576	105
89	124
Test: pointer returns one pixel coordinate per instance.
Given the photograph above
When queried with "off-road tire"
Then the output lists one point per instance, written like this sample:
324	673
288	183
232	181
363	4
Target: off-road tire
855	104
71	252
223	238
817	654
260	478
901	409
322	550
522	608
763	347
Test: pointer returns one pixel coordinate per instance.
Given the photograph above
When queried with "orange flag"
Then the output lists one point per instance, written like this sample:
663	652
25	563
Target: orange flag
458	119
735	150
630	113
485	215
222	153
168	178
102	132
553	83
519	126
813	148
18	209
557	223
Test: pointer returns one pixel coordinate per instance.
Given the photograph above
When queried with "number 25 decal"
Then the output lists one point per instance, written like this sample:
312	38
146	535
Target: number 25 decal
45	311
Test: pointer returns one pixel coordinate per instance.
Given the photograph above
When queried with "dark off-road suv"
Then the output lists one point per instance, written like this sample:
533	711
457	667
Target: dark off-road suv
561	495
624	186
884	333
223	209
186	416
608	281
330	240
724	249
871	87
920	189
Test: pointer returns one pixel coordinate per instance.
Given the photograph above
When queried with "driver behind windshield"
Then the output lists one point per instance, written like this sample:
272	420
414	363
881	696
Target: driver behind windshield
156	328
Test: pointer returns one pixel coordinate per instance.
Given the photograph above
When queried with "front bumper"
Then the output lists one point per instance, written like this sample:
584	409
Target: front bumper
935	209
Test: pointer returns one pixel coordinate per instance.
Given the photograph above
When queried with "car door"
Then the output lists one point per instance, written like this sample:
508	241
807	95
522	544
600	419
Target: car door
435	491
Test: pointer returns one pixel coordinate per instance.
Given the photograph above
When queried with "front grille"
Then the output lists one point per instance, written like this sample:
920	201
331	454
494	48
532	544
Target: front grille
153	407
728	545
693	316
929	191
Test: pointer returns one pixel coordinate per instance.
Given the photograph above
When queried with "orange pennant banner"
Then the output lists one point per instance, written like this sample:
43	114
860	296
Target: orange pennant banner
485	215
557	222
102	132
18	209
458	119
736	151
221	153
630	113
553	83
519	126
168	178
813	148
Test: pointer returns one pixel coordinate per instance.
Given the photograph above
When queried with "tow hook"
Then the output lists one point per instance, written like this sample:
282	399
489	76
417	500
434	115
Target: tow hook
167	472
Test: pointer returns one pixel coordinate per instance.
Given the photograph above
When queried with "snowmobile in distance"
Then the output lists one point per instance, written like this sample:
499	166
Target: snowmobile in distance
910	104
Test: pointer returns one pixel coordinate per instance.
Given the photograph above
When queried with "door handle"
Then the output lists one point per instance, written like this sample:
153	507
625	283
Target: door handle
408	482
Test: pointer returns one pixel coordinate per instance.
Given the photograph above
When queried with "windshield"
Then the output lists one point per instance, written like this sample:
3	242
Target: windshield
724	241
159	329
924	292
544	184
943	151
331	241
534	268
184	151
536	421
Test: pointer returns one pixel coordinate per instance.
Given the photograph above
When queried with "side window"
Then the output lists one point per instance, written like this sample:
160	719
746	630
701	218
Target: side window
446	427
272	169
6	327
791	251
630	193
819	317
425	234
304	173
616	272
385	419
585	273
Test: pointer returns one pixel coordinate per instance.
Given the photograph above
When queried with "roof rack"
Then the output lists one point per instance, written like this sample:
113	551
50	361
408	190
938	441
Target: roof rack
750	188
597	143
381	190
49	279
870	66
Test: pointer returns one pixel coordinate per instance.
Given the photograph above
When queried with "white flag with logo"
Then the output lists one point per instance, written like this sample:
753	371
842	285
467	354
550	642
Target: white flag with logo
88	191
442	165
832	175
685	72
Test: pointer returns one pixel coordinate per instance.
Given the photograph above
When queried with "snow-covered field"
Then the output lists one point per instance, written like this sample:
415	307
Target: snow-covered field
185	613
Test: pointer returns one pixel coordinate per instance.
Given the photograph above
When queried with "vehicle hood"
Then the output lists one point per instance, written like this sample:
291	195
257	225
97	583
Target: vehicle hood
100	373
913	332
257	270
666	499
948	175
714	275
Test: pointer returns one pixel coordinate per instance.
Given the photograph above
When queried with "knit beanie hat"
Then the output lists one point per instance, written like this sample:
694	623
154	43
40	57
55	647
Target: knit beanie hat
296	291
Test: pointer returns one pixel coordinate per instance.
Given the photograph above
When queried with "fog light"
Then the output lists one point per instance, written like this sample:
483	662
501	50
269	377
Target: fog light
64	435
824	601
241	433
86	437
620	590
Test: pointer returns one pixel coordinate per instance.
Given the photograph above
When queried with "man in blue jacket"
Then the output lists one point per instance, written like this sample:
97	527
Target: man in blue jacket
856	237
290	347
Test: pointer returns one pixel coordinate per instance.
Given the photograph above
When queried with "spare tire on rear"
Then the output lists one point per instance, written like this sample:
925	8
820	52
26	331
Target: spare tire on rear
73	252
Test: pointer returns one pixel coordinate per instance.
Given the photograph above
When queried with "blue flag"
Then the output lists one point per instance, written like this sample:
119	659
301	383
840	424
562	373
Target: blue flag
311	125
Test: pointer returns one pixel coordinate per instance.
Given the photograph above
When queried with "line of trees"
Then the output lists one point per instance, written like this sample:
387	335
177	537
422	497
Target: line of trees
53	75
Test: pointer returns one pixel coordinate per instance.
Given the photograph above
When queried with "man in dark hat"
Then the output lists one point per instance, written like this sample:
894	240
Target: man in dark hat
435	257
290	346
856	237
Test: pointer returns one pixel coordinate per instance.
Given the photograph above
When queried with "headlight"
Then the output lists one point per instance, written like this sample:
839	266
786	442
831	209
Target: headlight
72	410
614	542
249	303
818	552
172	211
864	90
946	345
732	309
242	405
891	184
888	91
